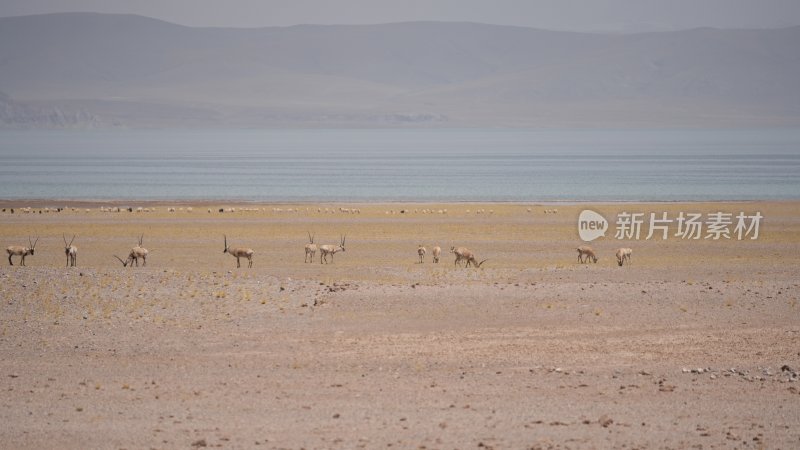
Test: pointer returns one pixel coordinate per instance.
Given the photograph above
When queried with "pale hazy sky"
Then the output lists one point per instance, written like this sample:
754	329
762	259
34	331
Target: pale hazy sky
578	15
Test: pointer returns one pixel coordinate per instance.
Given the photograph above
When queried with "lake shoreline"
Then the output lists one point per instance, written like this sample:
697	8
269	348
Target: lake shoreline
212	203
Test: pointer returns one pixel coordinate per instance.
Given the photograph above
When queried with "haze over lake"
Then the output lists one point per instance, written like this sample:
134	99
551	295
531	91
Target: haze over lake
401	165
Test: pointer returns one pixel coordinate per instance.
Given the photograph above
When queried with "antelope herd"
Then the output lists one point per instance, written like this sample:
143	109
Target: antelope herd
585	253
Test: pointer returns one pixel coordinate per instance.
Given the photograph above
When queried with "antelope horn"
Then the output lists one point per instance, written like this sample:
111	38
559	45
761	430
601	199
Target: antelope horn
34	242
73	239
124	263
310	238
141	239
65	240
479	264
226	240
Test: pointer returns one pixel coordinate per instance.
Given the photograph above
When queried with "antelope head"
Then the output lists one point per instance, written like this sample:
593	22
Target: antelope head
32	245
67	246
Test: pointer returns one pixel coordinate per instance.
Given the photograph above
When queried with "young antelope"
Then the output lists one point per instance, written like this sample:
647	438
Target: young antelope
311	249
624	254
585	253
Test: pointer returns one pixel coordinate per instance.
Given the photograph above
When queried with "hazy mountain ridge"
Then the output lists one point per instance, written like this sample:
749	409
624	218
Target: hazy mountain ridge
123	68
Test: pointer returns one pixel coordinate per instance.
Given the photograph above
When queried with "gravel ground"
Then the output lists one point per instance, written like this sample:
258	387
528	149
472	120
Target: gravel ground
689	346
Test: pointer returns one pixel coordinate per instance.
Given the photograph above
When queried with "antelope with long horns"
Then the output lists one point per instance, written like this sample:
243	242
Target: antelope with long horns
465	254
71	251
22	252
311	249
139	252
325	250
239	252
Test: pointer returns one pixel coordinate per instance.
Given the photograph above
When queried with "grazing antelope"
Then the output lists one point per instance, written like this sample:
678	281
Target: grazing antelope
325	250
624	254
436	252
461	253
139	252
421	252
239	252
311	249
585	253
22	252
71	251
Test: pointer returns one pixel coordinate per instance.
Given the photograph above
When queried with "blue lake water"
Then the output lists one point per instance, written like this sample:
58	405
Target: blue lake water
402	165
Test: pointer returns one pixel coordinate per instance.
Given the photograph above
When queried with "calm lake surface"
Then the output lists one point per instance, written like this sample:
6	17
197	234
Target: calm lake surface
401	165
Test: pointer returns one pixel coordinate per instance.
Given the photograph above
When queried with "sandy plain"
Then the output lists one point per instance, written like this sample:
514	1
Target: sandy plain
696	344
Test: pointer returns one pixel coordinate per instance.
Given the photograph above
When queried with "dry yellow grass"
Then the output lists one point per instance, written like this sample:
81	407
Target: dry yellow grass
382	246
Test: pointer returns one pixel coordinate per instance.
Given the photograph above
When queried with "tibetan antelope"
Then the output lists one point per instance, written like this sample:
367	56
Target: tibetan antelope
239	252
325	250
624	254
311	249
585	253
436	252
463	253
71	251
139	252
22	252
421	252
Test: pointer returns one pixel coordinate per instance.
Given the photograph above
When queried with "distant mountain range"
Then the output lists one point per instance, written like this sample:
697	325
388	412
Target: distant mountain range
102	70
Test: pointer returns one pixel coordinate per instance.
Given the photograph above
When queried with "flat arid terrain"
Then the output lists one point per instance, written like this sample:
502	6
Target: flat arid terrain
695	344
